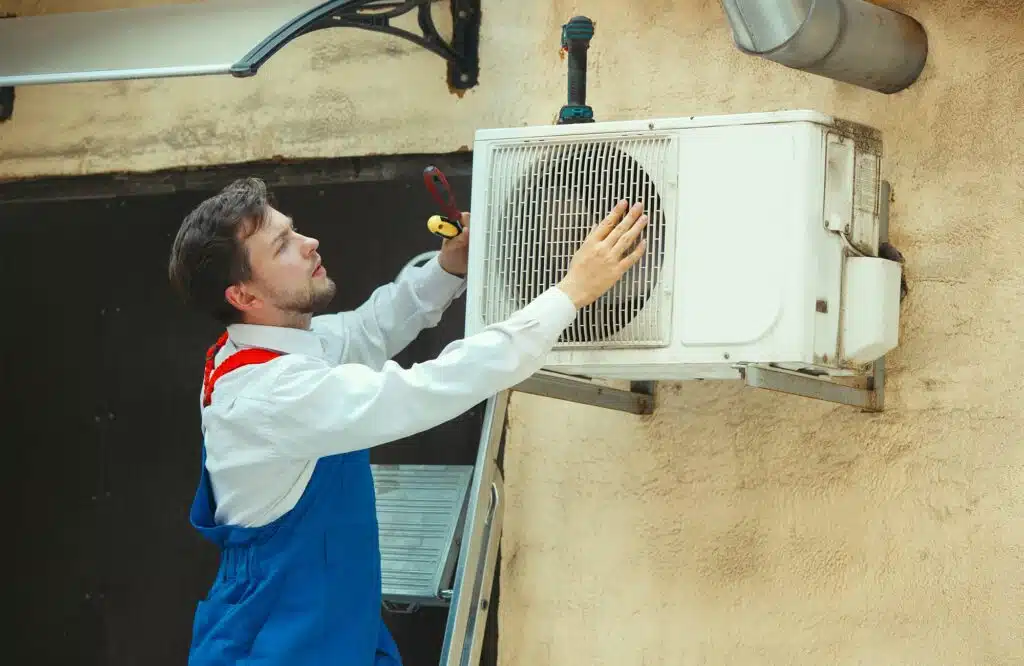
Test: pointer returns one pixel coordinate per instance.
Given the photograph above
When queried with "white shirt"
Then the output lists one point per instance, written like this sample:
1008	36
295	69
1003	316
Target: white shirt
336	389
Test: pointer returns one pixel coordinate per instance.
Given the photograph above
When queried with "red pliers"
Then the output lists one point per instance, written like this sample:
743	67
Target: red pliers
448	225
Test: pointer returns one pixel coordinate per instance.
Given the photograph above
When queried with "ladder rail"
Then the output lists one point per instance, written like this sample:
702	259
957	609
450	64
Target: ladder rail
477	625
484	518
464	632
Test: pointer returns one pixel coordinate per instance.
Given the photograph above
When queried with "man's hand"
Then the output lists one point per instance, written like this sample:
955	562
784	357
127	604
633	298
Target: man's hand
605	255
454	255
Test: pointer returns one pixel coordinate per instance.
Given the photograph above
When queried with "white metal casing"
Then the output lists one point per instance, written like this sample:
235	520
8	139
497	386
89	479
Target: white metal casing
760	214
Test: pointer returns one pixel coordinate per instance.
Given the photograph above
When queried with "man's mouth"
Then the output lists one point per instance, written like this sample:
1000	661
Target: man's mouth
319	270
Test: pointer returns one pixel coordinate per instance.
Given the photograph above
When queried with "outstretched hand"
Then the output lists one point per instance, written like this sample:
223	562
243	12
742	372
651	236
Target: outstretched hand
609	250
454	255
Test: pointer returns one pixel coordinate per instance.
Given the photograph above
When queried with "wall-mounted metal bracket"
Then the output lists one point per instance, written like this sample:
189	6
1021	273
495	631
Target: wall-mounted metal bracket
462	54
869	397
870	394
212	37
639	399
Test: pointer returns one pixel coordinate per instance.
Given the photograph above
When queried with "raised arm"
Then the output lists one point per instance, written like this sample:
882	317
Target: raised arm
399	311
316	410
304	408
393	315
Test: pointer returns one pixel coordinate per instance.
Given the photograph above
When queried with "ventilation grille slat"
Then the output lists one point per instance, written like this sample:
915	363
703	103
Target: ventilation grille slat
545	197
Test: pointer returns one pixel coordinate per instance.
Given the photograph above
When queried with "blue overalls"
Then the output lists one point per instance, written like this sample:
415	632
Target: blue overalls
304	590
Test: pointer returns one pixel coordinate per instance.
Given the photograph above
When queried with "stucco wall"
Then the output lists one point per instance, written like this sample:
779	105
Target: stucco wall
734	526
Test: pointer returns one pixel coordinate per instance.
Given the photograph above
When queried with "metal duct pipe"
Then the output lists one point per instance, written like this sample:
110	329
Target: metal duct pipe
852	41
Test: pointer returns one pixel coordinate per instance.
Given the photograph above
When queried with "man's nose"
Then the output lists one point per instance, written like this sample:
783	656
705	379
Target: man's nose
311	244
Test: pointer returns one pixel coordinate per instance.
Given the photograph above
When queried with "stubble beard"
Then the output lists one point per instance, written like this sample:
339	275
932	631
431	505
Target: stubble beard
316	298
321	295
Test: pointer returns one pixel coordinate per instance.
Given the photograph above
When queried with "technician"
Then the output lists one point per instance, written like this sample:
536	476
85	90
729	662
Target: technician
291	403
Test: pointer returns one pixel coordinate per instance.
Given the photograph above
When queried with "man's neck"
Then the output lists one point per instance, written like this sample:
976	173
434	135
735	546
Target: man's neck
283	319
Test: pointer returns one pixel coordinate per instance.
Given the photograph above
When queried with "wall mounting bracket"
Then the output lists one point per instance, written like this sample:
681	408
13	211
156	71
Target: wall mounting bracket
869	395
234	37
638	399
462	53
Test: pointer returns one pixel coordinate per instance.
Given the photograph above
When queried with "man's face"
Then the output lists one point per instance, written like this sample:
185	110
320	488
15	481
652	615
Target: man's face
288	280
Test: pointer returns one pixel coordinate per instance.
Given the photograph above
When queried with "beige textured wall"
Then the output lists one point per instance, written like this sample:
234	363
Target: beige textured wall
734	526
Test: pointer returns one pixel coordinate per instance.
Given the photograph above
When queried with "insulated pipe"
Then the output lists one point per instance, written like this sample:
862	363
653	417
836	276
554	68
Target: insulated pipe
853	41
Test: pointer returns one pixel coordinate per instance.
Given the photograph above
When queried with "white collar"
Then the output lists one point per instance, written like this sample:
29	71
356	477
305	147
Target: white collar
278	338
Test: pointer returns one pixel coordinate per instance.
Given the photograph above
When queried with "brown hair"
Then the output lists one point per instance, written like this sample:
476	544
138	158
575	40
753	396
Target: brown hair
208	254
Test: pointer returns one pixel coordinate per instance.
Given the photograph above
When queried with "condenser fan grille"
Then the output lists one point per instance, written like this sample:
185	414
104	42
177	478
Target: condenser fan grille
544	199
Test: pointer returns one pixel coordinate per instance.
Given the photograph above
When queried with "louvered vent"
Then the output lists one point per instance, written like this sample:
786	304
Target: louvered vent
544	200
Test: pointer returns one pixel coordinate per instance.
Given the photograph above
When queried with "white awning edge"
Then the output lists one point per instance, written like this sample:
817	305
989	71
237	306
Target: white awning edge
197	39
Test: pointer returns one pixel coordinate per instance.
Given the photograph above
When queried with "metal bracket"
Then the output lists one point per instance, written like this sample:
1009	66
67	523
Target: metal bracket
871	395
29	61
639	399
462	54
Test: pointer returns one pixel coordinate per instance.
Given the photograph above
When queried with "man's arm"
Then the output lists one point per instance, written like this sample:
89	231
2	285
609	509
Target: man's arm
303	408
394	314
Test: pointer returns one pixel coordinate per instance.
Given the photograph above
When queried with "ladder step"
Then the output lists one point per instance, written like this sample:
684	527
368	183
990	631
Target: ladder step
420	510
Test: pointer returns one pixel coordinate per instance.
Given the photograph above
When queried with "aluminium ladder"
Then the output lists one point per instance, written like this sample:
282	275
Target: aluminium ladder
440	525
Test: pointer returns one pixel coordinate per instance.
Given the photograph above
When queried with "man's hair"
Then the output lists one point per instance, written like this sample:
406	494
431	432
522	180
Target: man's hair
209	255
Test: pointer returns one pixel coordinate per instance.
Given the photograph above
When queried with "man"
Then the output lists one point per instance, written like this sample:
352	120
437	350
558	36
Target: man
291	404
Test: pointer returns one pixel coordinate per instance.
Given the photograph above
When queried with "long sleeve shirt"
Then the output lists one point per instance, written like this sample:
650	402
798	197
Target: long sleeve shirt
336	389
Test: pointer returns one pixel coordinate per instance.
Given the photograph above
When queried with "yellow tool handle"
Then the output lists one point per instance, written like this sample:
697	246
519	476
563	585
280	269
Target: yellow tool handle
439	225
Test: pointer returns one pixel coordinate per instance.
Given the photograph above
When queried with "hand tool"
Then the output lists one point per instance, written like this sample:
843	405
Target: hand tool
576	36
448	225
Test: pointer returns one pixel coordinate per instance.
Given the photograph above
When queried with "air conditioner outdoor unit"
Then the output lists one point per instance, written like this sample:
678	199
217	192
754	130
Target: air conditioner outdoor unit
762	243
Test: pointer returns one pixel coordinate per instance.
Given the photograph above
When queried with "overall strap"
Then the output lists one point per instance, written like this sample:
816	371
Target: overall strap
240	358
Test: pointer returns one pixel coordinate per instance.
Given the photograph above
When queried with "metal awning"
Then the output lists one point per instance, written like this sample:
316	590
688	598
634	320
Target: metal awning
210	37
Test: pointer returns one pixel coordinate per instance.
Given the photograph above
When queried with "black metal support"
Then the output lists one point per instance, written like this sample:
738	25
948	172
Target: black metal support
6	103
462	54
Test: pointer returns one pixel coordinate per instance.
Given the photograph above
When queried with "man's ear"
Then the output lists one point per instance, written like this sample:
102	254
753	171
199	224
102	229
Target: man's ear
242	298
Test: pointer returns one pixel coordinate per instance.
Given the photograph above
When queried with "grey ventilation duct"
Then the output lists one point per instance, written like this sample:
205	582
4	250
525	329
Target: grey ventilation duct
853	41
